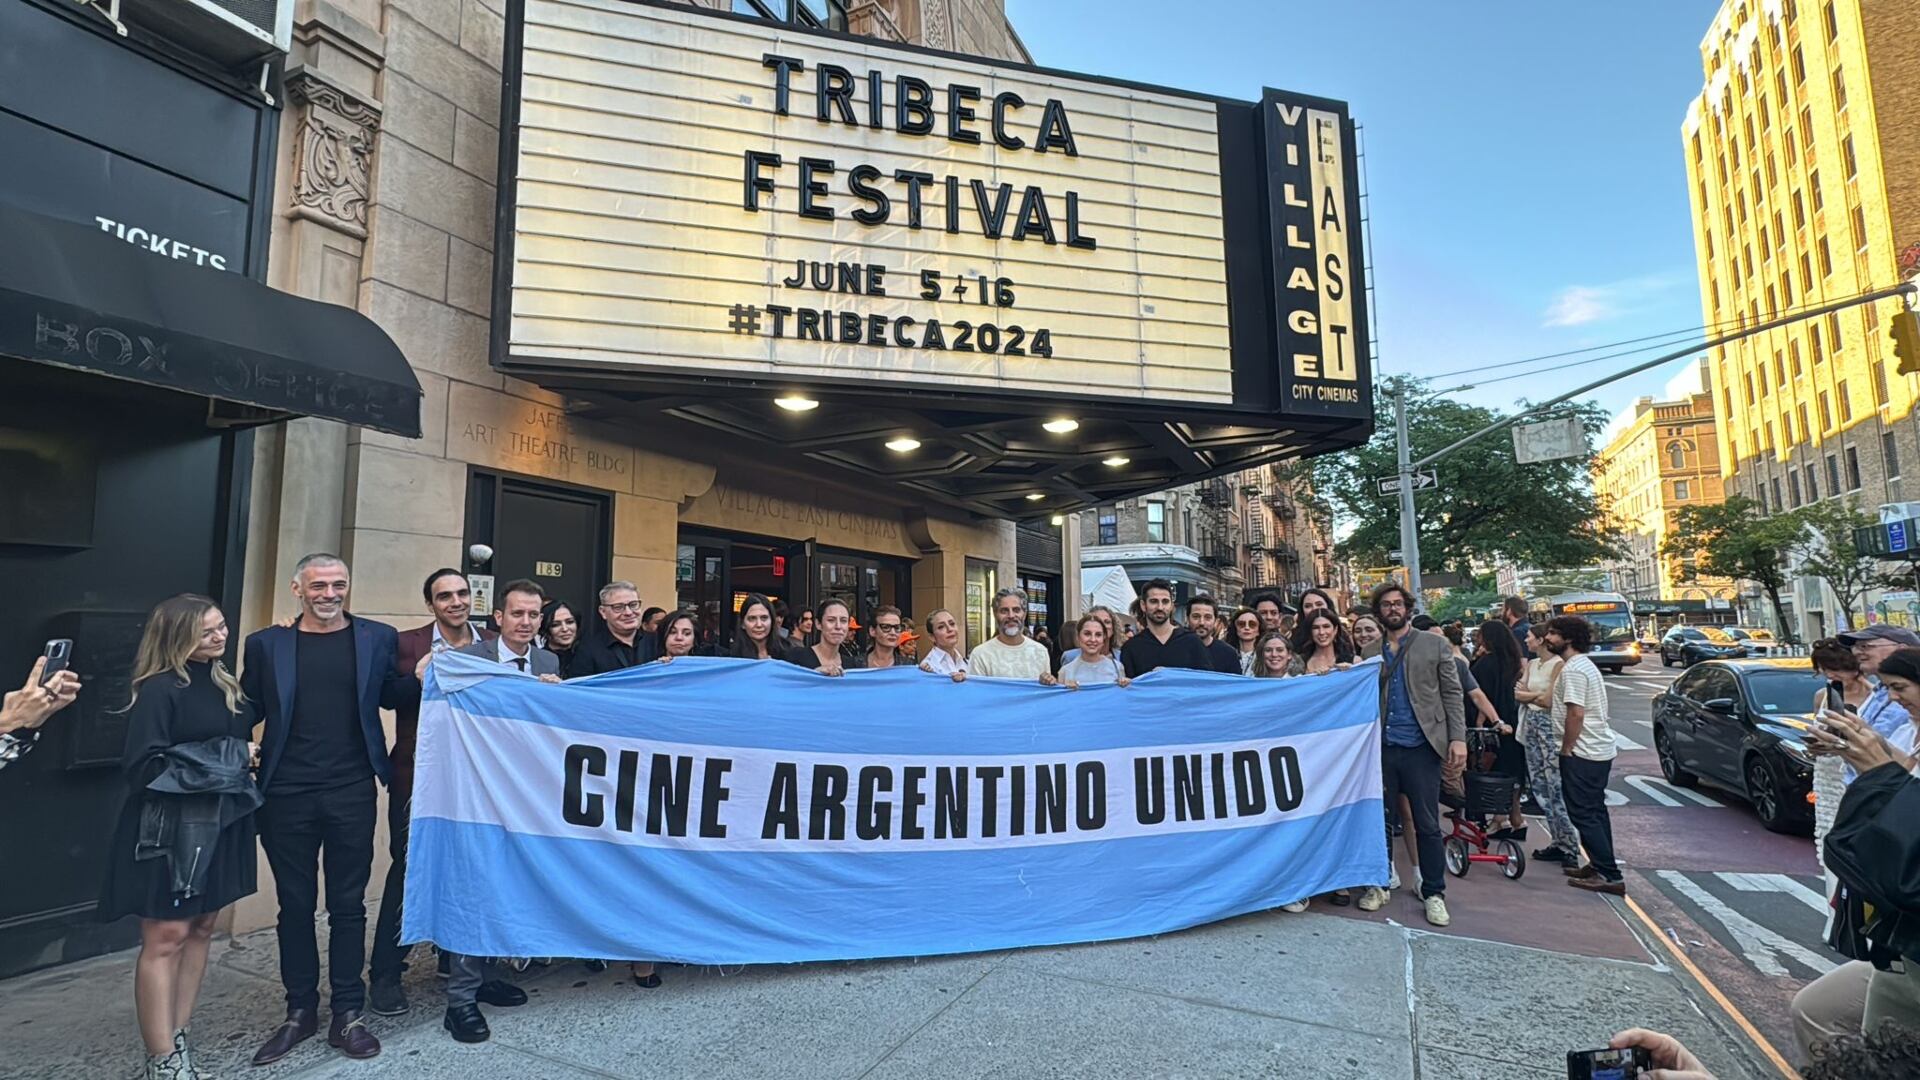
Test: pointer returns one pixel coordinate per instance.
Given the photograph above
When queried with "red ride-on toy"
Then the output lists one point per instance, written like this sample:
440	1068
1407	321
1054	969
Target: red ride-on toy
1487	794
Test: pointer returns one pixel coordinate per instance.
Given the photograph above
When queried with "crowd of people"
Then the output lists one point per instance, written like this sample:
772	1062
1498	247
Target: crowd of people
204	789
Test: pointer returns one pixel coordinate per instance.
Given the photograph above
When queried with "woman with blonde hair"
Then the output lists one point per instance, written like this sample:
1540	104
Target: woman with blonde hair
184	846
947	656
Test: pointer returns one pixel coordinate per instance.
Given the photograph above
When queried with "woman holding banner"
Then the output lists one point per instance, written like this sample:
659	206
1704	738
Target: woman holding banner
945	658
1094	663
1276	659
753	637
833	618
1245	639
677	635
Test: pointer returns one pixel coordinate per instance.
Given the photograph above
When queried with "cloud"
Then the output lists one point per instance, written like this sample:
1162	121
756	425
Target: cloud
1580	305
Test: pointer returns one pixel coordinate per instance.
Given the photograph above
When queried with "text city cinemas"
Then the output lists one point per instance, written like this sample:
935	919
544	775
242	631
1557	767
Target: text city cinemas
912	113
915	802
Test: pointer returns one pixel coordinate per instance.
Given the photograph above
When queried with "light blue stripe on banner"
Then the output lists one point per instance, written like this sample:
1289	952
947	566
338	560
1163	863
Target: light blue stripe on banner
544	896
773	704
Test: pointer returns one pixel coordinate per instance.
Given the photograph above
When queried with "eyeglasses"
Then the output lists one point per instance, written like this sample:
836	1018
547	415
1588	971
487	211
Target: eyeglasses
891	628
629	607
1384	604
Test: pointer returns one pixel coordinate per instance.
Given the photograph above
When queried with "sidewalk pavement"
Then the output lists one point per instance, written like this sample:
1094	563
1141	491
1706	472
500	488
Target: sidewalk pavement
1264	995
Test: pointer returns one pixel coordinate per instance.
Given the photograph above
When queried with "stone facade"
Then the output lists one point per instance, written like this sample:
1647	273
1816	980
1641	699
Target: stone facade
387	189
1665	458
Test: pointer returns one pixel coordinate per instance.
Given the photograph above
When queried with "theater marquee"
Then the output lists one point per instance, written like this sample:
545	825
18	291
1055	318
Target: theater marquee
699	195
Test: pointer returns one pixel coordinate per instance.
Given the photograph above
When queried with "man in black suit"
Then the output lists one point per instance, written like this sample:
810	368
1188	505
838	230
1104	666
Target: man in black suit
320	685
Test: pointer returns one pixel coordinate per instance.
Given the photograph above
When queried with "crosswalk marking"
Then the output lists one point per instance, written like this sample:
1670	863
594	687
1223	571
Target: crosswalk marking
1763	948
1648	786
1780	883
1621	742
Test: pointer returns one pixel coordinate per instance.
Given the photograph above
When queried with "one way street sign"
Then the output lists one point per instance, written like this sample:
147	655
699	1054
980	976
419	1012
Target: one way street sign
1424	480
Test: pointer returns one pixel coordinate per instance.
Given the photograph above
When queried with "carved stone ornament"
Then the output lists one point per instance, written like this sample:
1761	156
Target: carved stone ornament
935	25
332	154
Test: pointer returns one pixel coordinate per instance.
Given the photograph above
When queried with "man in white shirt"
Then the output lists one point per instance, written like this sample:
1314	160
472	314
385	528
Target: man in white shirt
1586	753
1011	654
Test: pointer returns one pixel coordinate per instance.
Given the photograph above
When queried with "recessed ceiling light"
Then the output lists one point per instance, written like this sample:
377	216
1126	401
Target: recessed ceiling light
1116	461
1061	426
1034	496
796	403
903	444
1058	519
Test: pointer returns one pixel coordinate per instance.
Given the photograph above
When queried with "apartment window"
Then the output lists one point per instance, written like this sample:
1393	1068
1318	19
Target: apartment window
1799	210
1846	401
1846	154
1813	185
1749	377
1779	367
1779	229
831	14
1801	412
1109	526
1826	258
1813	485
1826	412
1680	491
1833	23
1834	340
1799	66
1772	438
1780	89
1833	475
1890	452
1880	396
1813	340
1806	272
1853	469
1839	90
1859	228
1793	353
1157	522
1677	455
1778	505
1793	486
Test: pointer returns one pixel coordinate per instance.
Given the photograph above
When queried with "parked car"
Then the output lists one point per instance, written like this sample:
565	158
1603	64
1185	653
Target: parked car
1756	641
1740	725
1688	645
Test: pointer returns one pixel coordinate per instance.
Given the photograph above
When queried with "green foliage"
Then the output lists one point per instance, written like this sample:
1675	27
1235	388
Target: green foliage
1475	598
1824	549
1488	507
1733	540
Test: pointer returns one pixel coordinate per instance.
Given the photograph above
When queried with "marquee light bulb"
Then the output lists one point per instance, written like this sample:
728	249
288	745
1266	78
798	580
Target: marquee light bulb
796	403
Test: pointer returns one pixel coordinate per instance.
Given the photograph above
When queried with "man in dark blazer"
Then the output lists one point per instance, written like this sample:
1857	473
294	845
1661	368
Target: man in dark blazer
450	599
617	641
518	616
320	685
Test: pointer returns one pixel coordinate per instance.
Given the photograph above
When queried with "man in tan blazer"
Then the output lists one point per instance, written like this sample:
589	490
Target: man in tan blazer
1423	730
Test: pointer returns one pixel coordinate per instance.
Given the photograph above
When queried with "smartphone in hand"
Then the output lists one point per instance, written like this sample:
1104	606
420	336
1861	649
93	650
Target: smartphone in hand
1626	1064
59	654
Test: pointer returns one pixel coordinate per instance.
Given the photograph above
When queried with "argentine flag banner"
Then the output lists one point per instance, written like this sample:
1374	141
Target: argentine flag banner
720	811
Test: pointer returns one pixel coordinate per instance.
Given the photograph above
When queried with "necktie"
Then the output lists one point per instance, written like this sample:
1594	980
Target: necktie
520	662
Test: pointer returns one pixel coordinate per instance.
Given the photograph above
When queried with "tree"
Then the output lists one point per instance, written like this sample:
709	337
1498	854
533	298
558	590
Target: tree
1824	549
1477	597
1487	507
1733	539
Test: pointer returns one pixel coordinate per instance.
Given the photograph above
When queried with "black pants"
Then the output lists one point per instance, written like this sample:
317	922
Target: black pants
389	956
1414	771
1583	784
302	834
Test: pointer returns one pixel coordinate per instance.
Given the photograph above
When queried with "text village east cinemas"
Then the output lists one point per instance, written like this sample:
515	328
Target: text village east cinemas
996	211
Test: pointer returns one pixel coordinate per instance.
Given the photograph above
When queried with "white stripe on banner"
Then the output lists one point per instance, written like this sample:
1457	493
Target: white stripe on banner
549	781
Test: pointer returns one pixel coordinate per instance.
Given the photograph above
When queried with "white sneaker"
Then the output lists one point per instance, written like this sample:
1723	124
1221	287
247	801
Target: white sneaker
1393	879
1437	911
1371	898
1296	907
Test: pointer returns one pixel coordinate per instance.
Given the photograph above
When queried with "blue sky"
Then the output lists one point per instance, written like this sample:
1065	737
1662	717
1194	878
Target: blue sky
1523	159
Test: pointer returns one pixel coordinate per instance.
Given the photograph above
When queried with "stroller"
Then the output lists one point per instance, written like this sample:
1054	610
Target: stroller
1485	794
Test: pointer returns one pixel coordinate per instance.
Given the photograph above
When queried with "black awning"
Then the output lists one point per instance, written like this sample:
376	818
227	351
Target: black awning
80	298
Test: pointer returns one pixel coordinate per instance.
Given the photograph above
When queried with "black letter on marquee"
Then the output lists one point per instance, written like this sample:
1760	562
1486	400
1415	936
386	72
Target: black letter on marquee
827	816
783	804
914	181
1090	795
901	327
876	819
873	99
1284	764
809	187
950	803
781	65
991	221
1001	103
860	182
579	808
753	182
833	84
913	105
1034	217
1074	239
958	114
712	794
1336	283
669	789
1250	791
1054	130
1149	790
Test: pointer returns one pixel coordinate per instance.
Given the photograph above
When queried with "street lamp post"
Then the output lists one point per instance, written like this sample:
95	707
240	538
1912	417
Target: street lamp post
1409	527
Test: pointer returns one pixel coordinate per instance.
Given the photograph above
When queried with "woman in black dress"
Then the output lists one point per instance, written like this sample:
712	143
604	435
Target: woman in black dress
834	620
187	723
1497	666
561	629
753	636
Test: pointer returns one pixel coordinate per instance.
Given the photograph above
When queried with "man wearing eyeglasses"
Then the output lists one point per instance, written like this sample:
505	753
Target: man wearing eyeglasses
887	626
616	643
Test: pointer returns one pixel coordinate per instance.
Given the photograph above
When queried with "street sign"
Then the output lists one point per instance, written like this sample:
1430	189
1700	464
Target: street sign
1890	538
1549	440
1897	538
1424	480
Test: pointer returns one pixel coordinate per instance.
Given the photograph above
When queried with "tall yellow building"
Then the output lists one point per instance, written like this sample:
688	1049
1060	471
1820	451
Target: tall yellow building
1666	457
1803	166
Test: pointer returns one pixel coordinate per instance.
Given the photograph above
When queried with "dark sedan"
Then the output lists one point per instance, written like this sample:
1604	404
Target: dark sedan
1740	725
1688	645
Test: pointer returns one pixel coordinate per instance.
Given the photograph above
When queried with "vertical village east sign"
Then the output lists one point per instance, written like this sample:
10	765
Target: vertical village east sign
696	196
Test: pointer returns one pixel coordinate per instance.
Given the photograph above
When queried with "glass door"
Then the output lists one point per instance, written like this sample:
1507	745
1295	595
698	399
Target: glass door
716	574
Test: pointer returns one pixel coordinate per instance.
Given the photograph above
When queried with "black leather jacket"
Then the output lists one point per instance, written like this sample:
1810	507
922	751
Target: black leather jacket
202	788
1874	848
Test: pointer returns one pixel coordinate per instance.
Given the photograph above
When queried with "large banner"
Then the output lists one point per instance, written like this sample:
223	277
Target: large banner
715	811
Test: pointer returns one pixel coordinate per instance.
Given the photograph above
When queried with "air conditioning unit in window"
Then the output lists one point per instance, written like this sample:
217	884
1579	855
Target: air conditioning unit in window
233	33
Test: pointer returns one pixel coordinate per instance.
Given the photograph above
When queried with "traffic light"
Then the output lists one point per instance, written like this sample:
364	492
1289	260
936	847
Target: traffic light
1906	341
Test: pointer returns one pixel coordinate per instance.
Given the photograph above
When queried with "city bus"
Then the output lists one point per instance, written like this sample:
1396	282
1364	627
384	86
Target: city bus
1614	645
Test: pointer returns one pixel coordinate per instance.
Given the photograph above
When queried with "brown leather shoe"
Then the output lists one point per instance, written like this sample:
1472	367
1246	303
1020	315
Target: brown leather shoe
300	1026
1598	884
349	1034
1580	873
